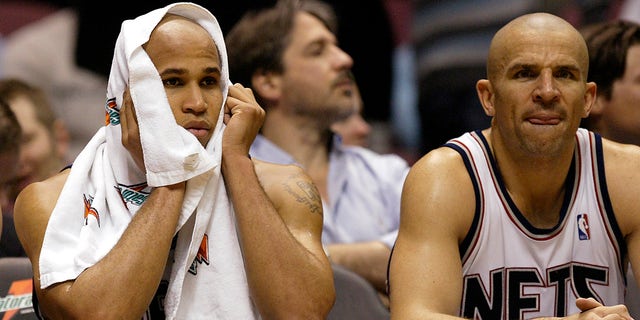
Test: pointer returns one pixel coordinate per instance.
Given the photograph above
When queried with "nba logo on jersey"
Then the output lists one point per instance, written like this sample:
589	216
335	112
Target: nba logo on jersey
583	227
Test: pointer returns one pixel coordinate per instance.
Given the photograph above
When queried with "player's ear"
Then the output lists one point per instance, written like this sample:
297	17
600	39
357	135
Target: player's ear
593	104
486	96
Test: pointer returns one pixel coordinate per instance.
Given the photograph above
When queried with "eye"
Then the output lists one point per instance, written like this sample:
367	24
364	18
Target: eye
171	82
524	73
316	48
210	81
565	74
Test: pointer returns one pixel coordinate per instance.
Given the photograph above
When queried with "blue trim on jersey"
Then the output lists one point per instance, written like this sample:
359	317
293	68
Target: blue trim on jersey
606	202
570	189
465	245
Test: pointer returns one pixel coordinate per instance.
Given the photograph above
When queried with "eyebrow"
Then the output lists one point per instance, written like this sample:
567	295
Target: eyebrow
534	66
179	71
572	68
212	70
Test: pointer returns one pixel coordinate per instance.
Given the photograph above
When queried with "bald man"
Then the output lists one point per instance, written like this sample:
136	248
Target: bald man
531	217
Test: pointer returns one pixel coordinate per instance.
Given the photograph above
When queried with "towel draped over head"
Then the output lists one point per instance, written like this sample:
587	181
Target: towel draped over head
105	188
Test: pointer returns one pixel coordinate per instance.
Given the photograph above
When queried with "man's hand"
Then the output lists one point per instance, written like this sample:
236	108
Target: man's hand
130	130
592	309
243	117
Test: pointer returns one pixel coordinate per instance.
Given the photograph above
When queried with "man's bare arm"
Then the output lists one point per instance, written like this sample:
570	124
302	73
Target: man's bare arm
436	213
279	216
367	259
138	258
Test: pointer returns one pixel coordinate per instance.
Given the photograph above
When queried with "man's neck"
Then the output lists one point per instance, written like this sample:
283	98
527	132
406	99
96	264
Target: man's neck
537	186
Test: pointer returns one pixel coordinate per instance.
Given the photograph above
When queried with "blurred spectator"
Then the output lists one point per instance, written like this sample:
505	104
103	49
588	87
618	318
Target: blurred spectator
10	136
614	52
354	130
41	52
290	57
614	65
44	144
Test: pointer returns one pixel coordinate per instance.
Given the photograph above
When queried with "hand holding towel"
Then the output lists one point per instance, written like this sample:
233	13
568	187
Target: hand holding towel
105	187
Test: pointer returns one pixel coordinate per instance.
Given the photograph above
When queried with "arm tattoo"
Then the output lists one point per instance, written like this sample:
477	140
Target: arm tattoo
305	192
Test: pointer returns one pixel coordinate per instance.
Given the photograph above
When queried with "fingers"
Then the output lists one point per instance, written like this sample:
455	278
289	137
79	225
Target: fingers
593	307
585	304
242	100
130	130
128	119
243	117
238	90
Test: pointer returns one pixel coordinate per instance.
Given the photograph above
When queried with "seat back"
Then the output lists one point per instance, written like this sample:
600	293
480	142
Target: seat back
356	298
632	299
16	288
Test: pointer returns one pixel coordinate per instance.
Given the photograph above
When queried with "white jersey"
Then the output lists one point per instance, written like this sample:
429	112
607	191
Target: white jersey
513	270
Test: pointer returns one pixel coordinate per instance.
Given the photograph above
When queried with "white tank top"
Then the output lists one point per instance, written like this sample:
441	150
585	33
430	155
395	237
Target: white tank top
513	270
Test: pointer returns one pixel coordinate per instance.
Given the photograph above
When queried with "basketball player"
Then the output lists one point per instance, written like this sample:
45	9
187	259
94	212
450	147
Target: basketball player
531	217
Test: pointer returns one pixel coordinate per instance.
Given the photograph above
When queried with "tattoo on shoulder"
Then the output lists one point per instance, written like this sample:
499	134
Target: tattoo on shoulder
304	191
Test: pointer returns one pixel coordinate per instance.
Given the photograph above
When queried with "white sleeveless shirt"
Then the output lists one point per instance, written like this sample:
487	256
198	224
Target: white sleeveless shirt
513	270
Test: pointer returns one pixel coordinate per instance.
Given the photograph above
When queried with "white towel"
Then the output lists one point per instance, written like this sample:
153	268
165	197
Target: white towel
105	187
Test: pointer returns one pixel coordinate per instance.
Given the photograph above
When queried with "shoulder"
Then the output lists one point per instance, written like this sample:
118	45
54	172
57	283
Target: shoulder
440	174
288	186
619	153
439	193
622	169
33	208
272	175
441	161
621	161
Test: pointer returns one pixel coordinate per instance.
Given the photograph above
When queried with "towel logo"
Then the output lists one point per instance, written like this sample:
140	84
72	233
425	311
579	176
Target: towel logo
133	194
201	256
112	116
583	227
89	210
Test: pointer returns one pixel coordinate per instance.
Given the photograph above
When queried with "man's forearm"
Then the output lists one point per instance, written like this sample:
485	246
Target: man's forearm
368	259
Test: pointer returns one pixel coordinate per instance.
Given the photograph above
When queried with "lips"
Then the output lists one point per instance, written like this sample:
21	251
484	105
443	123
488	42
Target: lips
199	129
200	133
544	120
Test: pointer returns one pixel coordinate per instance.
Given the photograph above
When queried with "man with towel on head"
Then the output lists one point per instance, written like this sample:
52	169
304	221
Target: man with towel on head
164	214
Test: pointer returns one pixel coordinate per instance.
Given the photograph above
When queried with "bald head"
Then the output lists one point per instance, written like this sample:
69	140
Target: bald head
540	31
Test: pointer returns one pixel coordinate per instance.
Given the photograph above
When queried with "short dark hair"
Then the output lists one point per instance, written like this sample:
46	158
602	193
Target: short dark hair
608	43
257	41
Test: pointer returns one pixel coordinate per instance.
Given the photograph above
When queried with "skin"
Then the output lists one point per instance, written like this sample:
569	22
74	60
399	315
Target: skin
278	210
536	93
315	90
618	118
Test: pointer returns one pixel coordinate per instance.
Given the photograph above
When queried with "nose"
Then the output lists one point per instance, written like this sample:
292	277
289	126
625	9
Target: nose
546	90
194	100
343	59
